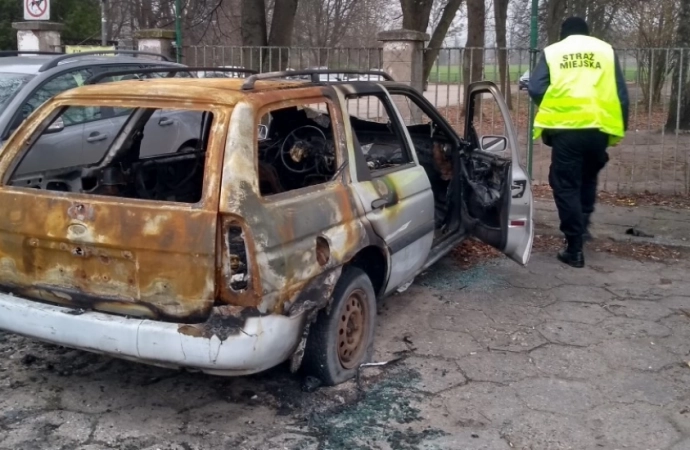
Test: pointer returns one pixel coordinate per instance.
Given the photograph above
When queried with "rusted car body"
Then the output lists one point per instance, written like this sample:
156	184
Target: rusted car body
226	277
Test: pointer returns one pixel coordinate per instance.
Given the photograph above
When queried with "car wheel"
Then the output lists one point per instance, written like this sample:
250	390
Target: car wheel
342	337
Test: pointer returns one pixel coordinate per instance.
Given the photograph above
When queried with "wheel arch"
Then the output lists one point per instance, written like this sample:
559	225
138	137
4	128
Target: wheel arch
374	261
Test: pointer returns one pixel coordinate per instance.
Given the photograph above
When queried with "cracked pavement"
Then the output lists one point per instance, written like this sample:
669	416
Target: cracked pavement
495	357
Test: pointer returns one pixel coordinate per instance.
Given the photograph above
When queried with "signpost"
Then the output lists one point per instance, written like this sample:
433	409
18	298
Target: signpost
36	9
533	53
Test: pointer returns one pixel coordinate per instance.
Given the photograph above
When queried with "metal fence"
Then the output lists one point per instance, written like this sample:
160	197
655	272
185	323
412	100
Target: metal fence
654	157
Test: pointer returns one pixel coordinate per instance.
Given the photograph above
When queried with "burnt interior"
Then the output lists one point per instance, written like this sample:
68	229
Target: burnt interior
299	151
485	185
129	169
383	150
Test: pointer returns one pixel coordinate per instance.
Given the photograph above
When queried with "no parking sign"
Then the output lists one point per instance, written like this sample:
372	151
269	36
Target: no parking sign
36	9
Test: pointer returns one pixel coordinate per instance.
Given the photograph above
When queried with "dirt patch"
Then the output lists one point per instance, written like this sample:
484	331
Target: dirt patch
627	250
632	200
472	253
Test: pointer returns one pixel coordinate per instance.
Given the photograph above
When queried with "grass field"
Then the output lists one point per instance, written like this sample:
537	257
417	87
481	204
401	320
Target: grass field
453	73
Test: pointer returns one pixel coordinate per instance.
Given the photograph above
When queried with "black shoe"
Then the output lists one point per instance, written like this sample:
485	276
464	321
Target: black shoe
572	255
573	259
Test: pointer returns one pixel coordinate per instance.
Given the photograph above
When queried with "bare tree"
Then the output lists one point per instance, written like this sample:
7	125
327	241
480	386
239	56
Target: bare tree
555	13
501	19
439	34
650	28
324	24
473	64
679	110
416	16
282	26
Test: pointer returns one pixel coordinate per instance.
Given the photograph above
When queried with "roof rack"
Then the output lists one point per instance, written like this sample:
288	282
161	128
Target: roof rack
314	74
65	56
171	70
7	53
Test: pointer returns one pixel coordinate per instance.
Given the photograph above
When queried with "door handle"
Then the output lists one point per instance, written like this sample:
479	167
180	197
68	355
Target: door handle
379	203
164	122
97	137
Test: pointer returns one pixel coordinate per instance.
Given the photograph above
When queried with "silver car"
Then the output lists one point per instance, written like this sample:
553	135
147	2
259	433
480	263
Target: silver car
29	80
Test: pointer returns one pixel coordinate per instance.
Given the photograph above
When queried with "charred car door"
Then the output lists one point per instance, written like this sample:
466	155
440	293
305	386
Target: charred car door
392	185
497	203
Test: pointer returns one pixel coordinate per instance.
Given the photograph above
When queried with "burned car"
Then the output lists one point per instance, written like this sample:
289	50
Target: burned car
267	239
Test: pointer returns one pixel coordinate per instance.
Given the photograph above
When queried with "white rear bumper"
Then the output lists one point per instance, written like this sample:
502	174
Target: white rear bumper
263	342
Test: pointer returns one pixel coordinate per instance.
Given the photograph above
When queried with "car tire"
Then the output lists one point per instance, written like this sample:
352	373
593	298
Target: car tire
342	337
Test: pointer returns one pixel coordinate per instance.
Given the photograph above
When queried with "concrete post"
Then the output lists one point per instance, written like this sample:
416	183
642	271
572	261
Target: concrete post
156	41
403	55
403	59
38	36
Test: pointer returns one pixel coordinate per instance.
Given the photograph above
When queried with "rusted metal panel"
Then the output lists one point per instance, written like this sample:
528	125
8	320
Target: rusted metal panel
285	229
161	261
172	261
131	257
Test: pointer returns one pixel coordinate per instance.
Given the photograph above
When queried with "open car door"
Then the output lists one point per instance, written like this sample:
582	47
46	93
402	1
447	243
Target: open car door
497	204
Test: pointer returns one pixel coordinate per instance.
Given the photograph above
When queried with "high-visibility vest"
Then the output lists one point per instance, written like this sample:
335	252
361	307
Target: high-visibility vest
582	91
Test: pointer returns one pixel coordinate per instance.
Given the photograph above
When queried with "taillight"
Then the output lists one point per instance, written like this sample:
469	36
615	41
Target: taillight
237	249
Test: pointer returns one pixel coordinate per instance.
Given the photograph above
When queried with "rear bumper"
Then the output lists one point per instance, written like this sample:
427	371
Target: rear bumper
262	342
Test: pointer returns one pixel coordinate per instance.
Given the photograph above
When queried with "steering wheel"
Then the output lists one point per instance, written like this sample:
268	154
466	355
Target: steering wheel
298	152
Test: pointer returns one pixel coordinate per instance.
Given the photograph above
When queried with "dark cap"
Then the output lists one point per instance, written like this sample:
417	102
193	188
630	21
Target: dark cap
574	25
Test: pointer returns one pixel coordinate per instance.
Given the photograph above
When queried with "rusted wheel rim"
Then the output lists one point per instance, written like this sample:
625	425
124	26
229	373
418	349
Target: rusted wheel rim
352	334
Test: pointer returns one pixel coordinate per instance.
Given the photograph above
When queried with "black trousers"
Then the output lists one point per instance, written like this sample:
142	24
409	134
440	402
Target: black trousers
577	157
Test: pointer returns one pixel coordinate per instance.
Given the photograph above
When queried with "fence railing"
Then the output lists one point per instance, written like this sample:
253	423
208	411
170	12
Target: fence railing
653	157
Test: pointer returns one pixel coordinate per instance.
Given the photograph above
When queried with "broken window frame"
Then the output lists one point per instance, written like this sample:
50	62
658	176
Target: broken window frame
399	129
22	141
338	142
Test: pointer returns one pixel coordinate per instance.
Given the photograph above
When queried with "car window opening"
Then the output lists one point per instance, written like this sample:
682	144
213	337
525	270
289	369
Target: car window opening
383	146
148	154
296	148
376	134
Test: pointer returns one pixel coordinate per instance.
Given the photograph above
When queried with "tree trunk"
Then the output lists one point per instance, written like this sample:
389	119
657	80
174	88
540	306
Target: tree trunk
416	14
501	19
555	13
282	25
253	32
679	109
474	49
439	34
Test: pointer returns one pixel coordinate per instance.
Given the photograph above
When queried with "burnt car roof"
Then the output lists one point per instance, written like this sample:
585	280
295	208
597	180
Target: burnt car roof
211	90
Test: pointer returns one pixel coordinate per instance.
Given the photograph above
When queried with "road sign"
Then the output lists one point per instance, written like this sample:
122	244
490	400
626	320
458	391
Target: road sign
88	48
36	9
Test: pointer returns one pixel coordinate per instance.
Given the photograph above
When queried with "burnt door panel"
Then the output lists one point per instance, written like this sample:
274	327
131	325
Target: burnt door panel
497	196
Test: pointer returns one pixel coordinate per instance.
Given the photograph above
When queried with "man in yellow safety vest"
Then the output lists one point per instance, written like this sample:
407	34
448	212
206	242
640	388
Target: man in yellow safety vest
583	104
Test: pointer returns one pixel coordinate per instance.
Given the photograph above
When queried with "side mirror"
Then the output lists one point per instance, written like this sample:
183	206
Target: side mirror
494	144
263	132
57	126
